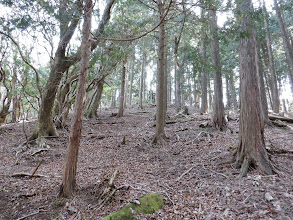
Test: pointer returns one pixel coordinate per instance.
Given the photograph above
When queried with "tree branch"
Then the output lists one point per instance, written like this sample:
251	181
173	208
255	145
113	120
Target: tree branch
137	37
25	60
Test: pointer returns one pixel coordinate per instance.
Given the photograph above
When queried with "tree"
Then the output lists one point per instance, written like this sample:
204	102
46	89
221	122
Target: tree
218	118
286	42
161	85
275	91
44	125
142	75
251	150
204	74
122	90
69	181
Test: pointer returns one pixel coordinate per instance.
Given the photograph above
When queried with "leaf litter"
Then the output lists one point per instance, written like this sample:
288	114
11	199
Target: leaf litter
184	170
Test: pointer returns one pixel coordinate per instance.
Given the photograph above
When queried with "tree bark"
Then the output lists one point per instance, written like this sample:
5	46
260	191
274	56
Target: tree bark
122	90
141	81
204	74
93	108
16	99
228	93
160	114
263	96
251	150
233	92
131	76
69	174
218	120
275	91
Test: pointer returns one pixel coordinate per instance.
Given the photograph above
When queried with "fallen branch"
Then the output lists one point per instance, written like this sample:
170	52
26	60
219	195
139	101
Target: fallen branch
187	171
34	172
27	174
31	214
38	151
276	117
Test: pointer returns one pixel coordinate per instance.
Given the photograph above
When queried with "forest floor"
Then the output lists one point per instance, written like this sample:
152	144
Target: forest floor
183	170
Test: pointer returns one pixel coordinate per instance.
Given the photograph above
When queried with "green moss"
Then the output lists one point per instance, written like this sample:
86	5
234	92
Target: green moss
149	203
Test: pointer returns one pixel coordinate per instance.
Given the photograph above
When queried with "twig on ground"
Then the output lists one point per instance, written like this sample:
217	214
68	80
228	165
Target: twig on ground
187	171
34	172
26	216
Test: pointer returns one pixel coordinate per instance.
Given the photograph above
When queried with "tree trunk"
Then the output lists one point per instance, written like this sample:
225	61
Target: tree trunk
160	116
131	72
177	80
218	120
15	99
233	92
275	91
204	73
93	108
69	174
122	91
251	150
141	81
264	102
286	42
228	93
126	87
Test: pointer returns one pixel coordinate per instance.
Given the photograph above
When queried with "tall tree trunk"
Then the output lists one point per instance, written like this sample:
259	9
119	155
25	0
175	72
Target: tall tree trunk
251	150
210	92
141	81
122	90
69	174
204	74
113	98
126	87
177	80
228	93
131	75
61	63
93	108
286	42
263	95
15	99
160	110
275	91
218	120
233	91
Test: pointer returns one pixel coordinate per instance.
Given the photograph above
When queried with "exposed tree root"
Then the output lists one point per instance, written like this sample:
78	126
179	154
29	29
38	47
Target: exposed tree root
159	139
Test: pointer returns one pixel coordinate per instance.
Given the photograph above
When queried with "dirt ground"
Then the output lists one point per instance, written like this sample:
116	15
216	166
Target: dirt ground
183	170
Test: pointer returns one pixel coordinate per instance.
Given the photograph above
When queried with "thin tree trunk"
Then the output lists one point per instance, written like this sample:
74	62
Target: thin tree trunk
218	120
286	42
233	92
275	91
131	74
210	92
126	87
263	95
122	91
204	74
69	174
93	108
228	93
15	99
141	81
251	150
